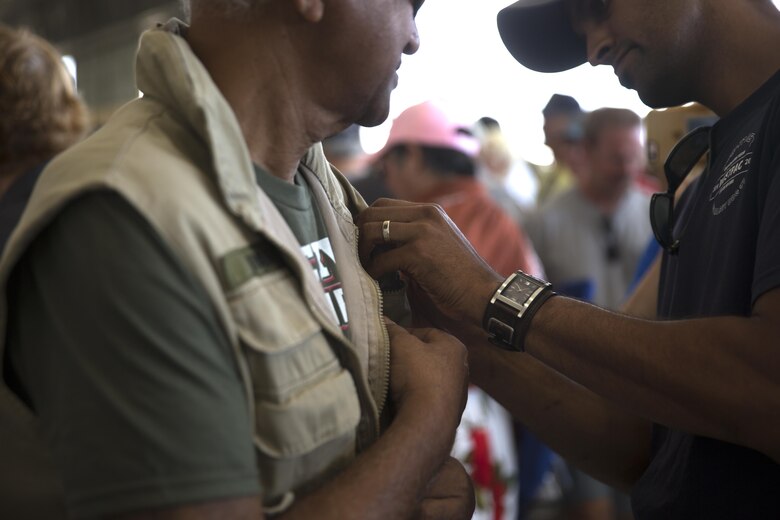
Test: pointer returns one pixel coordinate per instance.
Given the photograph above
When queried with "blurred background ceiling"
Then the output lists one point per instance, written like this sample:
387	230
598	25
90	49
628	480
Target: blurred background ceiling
62	20
99	37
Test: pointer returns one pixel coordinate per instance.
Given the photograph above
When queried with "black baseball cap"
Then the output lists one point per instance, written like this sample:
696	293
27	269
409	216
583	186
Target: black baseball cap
538	34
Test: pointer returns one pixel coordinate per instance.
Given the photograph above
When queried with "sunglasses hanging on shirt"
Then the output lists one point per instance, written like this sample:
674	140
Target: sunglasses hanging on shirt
681	160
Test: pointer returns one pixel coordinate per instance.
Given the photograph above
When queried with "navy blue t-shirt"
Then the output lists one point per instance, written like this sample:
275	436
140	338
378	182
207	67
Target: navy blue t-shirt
729	229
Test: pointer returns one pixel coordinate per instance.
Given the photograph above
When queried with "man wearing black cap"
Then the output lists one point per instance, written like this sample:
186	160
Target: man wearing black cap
683	412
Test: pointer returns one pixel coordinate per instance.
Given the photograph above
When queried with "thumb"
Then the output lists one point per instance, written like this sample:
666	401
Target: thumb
394	330
427	334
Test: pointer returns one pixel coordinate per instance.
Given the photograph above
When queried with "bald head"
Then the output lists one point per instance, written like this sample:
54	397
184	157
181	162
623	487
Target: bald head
615	152
602	120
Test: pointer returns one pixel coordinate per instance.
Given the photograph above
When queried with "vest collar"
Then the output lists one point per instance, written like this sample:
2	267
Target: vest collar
169	72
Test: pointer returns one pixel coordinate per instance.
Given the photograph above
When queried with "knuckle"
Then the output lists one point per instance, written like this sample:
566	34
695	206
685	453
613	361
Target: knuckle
431	211
428	228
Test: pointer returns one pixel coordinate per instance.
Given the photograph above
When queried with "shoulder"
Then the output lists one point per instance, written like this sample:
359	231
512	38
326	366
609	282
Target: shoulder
100	229
141	149
146	153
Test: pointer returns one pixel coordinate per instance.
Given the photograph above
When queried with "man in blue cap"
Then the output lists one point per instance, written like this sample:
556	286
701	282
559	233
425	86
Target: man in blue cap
685	411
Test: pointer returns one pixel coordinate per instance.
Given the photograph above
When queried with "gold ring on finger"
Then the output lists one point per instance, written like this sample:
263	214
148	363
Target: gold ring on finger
386	231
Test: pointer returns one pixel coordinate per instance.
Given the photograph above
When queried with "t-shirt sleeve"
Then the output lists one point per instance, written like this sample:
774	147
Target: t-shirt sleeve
767	269
120	353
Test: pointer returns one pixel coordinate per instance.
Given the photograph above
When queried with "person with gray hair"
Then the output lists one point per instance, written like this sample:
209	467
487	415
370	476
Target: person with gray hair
183	308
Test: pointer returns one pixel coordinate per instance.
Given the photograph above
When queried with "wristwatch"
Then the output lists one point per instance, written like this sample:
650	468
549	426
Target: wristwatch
509	312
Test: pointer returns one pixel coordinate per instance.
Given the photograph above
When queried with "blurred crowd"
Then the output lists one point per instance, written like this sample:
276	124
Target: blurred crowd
581	223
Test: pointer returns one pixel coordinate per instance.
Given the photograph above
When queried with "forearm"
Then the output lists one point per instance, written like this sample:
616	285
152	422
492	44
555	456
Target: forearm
714	377
596	435
386	481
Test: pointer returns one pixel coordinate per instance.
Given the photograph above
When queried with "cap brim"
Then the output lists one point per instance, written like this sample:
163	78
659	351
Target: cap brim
539	35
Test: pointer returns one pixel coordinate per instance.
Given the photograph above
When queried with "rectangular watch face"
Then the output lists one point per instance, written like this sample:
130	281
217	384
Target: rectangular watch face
520	293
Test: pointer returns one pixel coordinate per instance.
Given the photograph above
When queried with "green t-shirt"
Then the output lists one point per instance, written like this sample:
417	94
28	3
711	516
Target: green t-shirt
125	361
294	202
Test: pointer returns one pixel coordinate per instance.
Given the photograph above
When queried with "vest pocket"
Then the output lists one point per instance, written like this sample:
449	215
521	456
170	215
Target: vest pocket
284	345
306	404
308	439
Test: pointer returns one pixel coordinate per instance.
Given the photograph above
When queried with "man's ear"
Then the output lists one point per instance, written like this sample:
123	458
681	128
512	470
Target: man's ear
310	10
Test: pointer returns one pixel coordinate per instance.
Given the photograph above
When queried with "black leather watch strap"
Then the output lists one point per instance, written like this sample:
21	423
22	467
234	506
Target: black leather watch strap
509	312
525	322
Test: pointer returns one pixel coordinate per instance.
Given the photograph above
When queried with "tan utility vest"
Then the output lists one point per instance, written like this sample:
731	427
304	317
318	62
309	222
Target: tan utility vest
179	157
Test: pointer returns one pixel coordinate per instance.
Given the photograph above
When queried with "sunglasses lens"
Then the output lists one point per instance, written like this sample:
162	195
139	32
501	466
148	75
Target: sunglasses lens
661	218
685	155
681	160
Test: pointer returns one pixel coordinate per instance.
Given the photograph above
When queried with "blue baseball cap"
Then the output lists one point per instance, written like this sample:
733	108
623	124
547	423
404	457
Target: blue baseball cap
539	35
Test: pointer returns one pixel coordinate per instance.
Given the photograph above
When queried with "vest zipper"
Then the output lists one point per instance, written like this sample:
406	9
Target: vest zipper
324	321
386	344
384	347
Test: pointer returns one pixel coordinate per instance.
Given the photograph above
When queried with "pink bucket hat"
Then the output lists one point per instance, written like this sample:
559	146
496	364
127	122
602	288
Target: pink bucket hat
429	125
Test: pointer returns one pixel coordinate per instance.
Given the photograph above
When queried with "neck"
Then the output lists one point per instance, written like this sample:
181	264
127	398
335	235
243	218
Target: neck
265	90
745	58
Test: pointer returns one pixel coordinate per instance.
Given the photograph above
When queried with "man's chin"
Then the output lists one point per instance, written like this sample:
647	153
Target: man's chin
628	82
372	121
658	96
375	115
648	95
